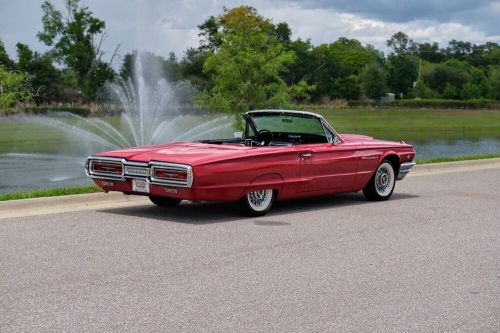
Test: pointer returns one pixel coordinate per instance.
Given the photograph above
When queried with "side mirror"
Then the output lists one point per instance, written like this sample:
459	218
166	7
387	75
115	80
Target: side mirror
238	135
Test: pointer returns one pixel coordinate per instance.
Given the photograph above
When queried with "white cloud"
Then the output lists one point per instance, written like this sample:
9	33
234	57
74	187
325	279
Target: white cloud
164	26
326	25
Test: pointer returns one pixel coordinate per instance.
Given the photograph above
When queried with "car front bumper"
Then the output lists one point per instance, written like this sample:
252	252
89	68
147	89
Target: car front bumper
404	169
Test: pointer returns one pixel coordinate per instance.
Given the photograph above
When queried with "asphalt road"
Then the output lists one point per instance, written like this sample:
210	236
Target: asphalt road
426	261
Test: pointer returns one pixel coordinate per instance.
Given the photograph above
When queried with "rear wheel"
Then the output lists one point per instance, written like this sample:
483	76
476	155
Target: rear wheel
164	201
381	185
257	203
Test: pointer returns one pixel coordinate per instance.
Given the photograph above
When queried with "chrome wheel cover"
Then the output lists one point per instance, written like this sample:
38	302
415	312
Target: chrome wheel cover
260	200
384	179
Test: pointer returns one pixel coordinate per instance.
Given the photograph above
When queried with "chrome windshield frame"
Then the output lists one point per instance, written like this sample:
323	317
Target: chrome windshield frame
304	114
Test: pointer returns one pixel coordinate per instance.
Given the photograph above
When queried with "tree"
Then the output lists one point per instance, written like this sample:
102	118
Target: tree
246	68
301	92
493	83
450	91
374	81
45	79
172	68
401	44
127	66
209	30
421	90
470	91
76	40
325	70
451	73
4	58
283	32
402	72
351	56
348	87
192	68
304	66
430	52
153	66
458	49
14	88
492	54
337	66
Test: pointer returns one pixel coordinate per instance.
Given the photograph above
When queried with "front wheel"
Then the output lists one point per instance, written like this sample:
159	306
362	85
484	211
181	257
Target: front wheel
164	201
381	185
257	203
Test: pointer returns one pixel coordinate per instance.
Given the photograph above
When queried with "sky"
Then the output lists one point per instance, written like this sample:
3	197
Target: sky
161	26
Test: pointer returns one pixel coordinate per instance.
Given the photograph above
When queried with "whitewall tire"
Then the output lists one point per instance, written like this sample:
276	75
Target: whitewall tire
257	203
381	185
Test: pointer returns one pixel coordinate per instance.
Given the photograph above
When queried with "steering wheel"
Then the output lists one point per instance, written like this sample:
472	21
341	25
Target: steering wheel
264	137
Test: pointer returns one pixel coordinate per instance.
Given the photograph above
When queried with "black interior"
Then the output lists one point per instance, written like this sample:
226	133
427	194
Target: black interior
265	137
277	140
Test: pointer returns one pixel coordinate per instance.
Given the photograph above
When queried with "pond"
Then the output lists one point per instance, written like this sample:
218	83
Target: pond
33	156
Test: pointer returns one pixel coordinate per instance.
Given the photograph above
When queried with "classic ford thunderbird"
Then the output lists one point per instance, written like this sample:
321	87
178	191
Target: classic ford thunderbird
279	155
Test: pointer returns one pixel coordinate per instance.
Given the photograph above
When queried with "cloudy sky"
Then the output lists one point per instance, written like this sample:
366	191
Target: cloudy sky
161	26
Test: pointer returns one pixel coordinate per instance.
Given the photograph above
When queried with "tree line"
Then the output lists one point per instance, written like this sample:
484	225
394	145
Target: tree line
246	61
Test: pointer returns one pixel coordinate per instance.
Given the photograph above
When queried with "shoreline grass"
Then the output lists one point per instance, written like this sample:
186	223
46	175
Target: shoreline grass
54	192
456	158
50	192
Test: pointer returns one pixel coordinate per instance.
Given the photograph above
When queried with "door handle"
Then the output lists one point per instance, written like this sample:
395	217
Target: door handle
304	155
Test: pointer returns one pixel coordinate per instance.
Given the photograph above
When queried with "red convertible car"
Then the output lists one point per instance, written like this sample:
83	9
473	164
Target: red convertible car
280	155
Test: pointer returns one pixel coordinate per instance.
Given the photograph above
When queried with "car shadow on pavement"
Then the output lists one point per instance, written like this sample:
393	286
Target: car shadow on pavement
199	213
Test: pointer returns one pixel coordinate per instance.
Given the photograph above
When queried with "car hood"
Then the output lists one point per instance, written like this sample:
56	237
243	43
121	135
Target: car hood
179	152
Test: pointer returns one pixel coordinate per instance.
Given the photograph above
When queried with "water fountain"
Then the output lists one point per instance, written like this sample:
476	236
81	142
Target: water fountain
153	111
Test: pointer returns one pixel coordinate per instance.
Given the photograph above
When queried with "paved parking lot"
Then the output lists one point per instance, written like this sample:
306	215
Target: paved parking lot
428	260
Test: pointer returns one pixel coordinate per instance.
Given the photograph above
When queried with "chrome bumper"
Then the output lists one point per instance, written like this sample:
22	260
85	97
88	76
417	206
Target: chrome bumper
139	170
404	169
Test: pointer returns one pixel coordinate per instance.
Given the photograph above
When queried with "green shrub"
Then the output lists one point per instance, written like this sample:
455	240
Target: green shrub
470	91
359	104
450	91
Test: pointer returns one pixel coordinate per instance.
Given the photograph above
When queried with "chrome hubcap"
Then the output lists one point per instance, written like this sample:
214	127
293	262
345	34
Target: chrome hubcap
384	180
258	198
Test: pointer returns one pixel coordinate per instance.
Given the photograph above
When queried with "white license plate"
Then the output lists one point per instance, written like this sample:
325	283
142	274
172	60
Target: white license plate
140	185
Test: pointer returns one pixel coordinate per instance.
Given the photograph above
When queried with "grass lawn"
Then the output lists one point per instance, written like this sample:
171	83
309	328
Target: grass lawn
53	192
413	124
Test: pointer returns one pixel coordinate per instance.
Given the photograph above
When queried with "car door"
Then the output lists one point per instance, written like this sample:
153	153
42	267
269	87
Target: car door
327	167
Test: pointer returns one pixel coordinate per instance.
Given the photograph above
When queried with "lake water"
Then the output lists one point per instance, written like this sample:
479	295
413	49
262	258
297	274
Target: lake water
450	148
22	172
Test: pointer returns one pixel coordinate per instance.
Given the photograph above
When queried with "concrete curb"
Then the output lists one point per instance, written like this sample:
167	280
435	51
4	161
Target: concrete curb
446	167
92	201
68	203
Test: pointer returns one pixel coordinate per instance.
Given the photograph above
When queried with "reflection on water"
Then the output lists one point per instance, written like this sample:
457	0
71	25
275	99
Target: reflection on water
22	172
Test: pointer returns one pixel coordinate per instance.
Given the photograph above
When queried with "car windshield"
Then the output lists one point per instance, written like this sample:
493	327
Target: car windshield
285	123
